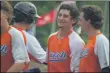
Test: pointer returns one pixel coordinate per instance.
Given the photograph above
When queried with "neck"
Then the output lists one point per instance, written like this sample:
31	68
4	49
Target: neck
20	25
63	32
5	28
93	32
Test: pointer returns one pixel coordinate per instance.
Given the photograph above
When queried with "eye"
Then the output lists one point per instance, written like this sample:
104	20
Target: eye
65	16
59	15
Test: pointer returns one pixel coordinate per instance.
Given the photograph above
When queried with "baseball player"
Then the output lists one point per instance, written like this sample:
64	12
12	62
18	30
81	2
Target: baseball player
14	55
95	55
65	45
25	14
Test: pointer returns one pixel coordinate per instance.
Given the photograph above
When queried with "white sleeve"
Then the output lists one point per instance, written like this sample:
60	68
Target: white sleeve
102	51
76	46
46	59
19	51
76	49
35	49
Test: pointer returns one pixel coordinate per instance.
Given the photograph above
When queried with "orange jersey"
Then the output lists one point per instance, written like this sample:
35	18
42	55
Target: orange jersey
6	43
61	52
92	59
12	49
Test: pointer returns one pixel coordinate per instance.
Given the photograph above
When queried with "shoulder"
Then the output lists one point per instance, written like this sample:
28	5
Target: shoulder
52	35
15	33
75	42
102	39
75	38
30	38
101	42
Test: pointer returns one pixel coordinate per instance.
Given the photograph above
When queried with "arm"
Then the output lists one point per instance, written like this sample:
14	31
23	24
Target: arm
17	67
102	51
106	69
47	52
35	49
19	53
75	55
44	63
46	58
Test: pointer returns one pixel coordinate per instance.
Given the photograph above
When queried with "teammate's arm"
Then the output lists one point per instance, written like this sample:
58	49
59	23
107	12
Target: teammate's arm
46	58
47	52
19	53
17	67
35	49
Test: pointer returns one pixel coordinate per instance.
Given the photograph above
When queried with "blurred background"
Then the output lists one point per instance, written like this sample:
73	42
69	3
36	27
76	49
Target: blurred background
47	25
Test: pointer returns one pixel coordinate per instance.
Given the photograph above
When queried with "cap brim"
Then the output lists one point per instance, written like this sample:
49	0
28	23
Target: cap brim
38	16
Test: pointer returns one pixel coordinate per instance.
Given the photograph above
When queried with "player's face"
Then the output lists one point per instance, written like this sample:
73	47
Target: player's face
28	27
64	19
3	19
83	23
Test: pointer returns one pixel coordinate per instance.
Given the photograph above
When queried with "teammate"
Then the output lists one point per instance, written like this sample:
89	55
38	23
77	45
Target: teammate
95	55
65	45
14	55
25	14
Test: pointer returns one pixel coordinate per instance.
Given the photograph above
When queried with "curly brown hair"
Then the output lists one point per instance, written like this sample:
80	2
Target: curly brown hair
94	14
74	12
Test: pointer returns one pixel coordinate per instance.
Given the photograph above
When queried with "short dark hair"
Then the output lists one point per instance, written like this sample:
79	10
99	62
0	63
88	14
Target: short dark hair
5	6
74	12
94	14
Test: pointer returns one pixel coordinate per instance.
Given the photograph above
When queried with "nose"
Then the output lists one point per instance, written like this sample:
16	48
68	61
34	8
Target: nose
60	17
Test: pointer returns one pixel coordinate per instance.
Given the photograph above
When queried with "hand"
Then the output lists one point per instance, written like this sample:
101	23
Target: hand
33	70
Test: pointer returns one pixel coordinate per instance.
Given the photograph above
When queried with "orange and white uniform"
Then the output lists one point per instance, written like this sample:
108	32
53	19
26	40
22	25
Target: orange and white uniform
95	54
33	47
13	49
64	54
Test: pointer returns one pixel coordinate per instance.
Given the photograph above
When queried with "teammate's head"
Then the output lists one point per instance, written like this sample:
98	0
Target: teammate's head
67	15
6	9
91	17
6	14
25	12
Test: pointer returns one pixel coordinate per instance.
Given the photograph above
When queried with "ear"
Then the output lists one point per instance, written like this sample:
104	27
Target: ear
88	21
6	15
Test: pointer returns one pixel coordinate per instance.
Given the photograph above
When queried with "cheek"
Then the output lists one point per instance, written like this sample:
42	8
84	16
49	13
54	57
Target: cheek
86	28
83	25
2	18
57	19
69	21
1	21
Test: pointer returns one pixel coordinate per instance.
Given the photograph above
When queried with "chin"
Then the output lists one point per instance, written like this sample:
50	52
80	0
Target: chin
60	26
